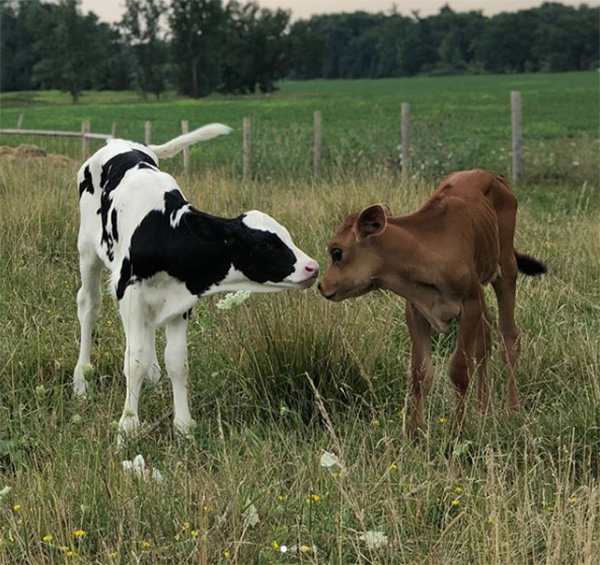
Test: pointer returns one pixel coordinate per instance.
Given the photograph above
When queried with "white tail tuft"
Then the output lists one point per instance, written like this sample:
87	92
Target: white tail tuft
171	148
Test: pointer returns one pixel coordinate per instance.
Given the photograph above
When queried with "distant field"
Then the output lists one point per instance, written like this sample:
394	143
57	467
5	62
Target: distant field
458	122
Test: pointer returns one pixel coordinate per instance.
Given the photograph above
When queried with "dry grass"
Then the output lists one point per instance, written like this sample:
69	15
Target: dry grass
507	492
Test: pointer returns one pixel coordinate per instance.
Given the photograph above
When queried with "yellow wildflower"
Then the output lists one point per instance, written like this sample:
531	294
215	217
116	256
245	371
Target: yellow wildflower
304	548
226	554
443	420
456	502
17	507
274	545
458	490
47	539
194	533
375	423
70	553
79	533
146	544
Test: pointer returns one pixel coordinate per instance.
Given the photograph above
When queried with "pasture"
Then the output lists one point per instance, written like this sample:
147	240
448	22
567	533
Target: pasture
250	482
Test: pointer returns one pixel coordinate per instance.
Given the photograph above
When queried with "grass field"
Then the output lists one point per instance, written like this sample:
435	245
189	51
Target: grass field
519	491
457	122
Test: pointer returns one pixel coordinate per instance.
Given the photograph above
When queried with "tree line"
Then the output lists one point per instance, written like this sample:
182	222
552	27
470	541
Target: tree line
204	46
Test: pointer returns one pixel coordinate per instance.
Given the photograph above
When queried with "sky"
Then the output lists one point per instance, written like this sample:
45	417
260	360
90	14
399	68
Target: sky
111	10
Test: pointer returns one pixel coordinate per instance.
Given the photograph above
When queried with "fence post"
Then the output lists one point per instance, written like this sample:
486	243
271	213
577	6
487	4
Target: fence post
20	122
114	129
185	128
148	132
246	160
517	135
405	139
85	141
317	146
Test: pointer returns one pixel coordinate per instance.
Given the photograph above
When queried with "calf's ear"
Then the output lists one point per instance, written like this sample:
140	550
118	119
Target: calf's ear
372	221
387	210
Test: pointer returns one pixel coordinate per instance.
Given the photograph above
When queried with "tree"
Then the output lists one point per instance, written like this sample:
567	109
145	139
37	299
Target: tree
16	45
141	27
198	32
68	45
256	48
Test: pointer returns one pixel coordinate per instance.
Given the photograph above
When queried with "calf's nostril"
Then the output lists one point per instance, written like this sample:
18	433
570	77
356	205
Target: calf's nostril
312	267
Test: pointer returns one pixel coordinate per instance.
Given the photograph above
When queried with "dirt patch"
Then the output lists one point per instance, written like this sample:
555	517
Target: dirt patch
25	152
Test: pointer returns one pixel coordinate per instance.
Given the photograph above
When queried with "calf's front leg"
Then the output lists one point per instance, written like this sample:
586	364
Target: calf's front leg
421	367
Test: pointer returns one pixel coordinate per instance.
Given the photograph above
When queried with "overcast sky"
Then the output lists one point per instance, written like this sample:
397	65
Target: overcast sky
111	10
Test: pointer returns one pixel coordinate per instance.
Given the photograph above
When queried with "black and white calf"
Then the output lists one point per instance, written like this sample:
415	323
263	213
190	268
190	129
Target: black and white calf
163	255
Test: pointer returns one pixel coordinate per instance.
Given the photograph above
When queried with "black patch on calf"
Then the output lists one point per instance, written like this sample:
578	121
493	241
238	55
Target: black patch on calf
261	255
194	252
200	250
145	165
86	184
113	221
113	172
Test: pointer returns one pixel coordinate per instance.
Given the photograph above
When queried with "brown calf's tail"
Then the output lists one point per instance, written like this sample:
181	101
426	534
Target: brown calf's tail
528	265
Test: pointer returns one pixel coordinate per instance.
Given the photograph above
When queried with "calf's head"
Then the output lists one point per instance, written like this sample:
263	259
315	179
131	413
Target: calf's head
268	259
355	252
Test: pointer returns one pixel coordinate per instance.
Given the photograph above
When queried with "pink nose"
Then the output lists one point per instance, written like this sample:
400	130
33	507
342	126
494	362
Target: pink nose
312	268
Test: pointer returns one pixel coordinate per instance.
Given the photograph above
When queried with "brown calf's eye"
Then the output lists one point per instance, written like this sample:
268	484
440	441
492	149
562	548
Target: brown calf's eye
336	254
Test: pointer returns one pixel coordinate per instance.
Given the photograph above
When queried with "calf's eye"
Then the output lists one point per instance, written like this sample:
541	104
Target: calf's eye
336	254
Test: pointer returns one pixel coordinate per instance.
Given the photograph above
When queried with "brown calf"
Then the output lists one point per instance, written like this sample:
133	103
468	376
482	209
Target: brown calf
438	259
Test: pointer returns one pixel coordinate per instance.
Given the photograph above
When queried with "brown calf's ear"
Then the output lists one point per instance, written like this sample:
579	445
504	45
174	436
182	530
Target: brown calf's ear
372	221
387	210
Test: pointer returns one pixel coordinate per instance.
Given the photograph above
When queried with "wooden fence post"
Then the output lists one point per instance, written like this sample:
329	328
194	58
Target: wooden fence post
148	132
317	146
246	160
20	122
114	129
185	128
405	139
517	135
85	141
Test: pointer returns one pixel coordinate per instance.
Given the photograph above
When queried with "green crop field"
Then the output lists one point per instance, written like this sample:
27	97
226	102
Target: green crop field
521	490
457	122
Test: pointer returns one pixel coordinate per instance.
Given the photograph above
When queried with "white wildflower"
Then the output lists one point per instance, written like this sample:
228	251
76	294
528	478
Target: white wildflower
374	540
138	468
329	460
233	299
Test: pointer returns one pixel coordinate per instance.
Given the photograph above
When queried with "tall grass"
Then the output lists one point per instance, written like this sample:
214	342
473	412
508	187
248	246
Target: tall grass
505	492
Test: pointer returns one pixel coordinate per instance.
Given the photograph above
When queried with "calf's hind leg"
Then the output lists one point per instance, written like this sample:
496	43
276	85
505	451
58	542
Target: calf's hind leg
139	355
505	289
89	301
177	367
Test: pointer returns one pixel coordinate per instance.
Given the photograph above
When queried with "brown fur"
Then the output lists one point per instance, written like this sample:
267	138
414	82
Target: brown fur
438	259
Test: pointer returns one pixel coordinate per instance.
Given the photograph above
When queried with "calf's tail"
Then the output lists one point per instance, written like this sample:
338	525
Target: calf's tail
171	148
528	265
